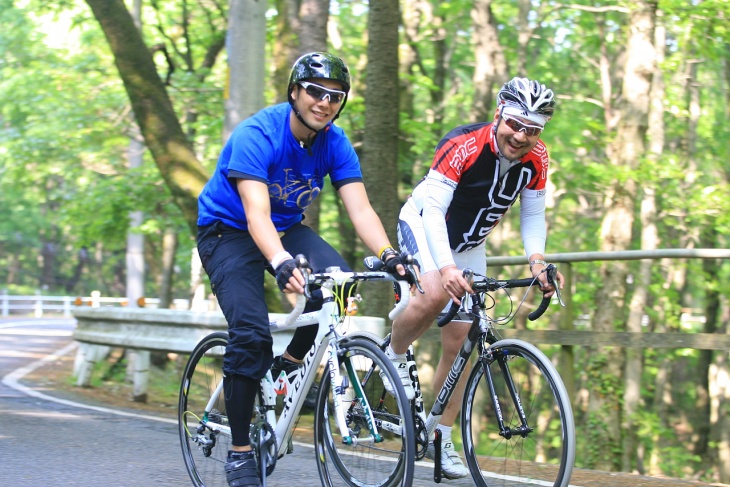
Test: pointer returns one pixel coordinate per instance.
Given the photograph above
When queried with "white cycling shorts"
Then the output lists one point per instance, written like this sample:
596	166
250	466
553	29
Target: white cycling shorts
412	239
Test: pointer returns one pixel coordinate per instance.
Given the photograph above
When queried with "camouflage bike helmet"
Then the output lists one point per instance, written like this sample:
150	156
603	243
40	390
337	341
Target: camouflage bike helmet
319	65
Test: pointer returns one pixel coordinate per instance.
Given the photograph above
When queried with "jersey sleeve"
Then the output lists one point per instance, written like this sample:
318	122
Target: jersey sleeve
346	165
540	159
532	204
247	162
532	221
438	193
454	155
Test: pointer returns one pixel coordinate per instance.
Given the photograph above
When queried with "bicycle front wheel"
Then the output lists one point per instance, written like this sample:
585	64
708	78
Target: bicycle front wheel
537	447
365	461
204	436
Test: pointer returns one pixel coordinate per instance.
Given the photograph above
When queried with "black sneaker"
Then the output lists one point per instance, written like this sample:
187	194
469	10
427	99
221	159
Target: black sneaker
282	364
241	469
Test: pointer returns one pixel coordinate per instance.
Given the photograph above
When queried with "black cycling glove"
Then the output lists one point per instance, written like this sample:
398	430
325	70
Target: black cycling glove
392	263
404	259
284	272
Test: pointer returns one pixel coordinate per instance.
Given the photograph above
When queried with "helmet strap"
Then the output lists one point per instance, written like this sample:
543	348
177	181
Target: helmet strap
299	115
503	161
313	133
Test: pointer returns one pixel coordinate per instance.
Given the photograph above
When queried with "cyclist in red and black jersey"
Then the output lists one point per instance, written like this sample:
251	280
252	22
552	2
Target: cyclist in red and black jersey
478	172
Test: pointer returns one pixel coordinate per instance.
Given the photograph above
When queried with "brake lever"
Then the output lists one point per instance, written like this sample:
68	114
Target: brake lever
552	275
306	270
410	265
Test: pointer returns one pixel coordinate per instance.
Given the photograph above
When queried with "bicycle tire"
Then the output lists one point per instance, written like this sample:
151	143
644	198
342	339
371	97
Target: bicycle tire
547	453
388	463
203	372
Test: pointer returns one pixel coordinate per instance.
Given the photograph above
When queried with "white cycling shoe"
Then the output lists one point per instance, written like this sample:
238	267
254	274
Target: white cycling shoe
451	465
402	368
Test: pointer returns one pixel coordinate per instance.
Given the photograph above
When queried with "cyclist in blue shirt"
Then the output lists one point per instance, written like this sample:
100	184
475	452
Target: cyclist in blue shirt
250	219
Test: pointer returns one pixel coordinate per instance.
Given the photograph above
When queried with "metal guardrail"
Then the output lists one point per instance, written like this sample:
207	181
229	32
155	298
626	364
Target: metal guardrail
38	304
102	326
146	330
568	257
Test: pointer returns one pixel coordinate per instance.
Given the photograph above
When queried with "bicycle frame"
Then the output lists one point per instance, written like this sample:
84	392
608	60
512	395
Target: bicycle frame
284	425
480	336
478	329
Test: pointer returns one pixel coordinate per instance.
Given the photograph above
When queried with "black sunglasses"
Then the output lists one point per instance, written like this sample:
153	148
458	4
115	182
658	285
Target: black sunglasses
321	93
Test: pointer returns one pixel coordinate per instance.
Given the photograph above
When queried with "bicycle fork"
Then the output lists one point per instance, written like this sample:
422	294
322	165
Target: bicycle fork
489	356
337	384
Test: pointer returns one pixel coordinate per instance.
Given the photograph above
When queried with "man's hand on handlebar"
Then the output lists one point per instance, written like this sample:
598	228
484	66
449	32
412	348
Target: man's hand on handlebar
289	277
404	267
394	265
539	271
455	283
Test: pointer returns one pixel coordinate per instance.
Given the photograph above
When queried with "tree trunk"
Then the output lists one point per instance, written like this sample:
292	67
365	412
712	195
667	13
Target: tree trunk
163	135
634	366
606	368
380	143
490	63
246	61
169	249
408	60
313	16
286	45
649	241
419	17
720	404
72	282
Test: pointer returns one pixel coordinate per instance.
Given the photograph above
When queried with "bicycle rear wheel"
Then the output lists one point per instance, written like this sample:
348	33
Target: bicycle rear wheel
204	449
543	455
389	462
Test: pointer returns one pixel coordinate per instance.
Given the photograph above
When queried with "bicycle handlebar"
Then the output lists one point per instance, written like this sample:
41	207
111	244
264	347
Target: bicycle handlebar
374	273
489	285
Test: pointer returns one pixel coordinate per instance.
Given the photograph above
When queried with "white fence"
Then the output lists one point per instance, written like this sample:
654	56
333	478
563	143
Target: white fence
38	305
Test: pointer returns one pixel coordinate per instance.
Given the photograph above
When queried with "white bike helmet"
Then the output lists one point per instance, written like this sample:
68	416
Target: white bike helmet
527	95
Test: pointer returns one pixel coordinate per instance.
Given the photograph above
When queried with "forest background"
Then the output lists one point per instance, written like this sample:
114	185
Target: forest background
638	160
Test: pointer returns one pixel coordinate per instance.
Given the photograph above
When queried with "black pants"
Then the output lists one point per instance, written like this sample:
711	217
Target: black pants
236	269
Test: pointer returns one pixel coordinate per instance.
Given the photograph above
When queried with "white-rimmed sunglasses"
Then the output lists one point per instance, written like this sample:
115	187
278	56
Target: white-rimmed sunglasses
321	93
519	126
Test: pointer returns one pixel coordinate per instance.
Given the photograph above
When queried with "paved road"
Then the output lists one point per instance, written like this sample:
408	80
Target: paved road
47	440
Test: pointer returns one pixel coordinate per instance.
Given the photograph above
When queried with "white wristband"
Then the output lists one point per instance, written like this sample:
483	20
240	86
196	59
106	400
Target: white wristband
279	258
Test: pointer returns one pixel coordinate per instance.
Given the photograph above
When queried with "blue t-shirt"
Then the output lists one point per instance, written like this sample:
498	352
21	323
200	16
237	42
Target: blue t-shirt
263	148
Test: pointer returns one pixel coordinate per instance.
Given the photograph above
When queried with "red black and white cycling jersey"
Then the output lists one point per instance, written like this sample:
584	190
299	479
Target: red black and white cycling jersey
465	182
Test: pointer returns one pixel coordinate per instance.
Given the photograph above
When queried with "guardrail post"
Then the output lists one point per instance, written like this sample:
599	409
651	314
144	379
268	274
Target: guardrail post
38	311
567	358
67	306
86	356
141	375
95	299
5	303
